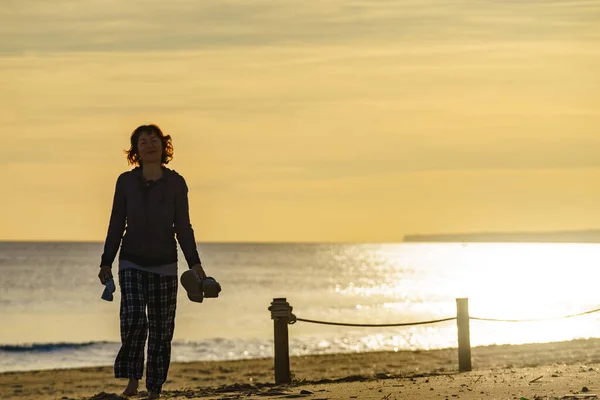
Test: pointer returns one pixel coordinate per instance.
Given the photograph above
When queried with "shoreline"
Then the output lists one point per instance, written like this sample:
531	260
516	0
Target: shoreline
203	379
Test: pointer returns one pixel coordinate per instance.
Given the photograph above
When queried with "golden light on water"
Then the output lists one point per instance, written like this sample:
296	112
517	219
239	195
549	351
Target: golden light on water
504	281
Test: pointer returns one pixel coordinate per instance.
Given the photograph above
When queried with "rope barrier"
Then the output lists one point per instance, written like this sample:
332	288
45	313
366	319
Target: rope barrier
312	321
535	319
282	316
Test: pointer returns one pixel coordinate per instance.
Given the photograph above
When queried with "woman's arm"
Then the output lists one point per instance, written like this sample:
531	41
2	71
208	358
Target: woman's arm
116	226
183	226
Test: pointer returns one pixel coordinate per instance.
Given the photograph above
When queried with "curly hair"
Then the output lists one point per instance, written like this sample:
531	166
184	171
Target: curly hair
133	155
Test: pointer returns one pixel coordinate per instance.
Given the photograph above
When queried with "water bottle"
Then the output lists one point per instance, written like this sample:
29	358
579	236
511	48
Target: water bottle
109	289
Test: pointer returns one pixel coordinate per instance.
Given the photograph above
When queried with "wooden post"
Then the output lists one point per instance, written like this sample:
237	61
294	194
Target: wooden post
464	335
280	314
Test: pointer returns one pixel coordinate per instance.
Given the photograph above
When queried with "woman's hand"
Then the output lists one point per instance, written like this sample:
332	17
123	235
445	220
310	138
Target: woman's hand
105	274
198	268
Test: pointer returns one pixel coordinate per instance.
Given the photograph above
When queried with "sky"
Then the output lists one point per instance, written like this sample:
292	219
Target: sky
305	121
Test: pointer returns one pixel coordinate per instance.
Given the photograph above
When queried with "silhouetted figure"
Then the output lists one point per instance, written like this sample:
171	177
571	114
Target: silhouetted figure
151	206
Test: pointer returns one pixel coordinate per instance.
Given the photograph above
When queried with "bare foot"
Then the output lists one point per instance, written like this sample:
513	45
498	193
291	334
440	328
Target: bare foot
153	396
132	388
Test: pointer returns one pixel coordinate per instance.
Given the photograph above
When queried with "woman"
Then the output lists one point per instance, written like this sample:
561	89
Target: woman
151	204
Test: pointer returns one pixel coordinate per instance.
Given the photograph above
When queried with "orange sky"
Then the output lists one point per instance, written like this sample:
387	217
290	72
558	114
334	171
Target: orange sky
295	121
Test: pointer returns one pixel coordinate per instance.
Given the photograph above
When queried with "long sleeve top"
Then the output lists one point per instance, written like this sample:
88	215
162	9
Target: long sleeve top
147	217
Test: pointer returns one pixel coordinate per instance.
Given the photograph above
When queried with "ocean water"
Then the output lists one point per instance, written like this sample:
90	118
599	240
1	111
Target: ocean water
52	315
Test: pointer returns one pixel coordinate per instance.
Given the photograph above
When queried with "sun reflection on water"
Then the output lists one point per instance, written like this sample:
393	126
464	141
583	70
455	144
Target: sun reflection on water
501	281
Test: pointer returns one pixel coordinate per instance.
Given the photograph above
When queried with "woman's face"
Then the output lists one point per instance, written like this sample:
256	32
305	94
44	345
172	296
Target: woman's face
149	147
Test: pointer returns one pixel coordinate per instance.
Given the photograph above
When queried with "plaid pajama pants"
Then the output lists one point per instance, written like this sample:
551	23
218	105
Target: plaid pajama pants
157	293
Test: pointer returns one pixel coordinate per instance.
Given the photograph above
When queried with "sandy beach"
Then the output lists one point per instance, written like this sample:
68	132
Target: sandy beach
534	371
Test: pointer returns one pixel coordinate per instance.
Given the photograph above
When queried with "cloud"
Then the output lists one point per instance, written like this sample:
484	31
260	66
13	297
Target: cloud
142	25
364	90
311	113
